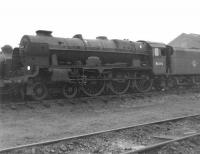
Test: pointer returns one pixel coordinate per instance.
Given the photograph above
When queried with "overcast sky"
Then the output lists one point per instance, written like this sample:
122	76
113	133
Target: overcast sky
153	20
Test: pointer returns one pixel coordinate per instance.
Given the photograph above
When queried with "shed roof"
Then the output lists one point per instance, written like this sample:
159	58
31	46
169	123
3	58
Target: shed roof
186	41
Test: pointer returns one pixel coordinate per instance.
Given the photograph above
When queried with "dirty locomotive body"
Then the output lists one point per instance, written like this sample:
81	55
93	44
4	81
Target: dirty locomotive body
44	64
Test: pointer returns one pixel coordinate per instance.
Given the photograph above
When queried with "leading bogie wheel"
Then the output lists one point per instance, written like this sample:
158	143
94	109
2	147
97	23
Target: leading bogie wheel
39	91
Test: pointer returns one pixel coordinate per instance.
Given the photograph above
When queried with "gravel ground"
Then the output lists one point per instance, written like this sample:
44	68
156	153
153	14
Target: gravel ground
116	142
42	122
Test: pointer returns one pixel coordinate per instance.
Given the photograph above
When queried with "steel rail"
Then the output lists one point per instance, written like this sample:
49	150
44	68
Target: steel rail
160	145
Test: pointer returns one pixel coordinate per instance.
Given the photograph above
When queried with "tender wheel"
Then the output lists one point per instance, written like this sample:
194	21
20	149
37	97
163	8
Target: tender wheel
143	82
39	91
69	90
93	86
119	85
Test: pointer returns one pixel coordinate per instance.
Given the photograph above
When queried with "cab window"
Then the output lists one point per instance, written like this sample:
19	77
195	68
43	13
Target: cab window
158	52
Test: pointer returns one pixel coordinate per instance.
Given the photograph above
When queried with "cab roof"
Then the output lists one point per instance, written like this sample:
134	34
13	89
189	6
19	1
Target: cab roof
154	44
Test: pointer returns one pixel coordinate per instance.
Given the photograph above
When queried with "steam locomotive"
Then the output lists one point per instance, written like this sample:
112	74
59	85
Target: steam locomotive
43	64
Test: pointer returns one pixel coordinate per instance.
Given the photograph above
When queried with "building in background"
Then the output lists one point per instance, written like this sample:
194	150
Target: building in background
191	41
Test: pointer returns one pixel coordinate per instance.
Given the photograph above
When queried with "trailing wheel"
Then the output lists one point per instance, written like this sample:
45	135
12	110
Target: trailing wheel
119	84
93	85
143	82
159	83
69	90
172	83
39	91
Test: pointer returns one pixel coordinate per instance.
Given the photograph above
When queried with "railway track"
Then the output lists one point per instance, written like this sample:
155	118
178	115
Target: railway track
104	98
144	138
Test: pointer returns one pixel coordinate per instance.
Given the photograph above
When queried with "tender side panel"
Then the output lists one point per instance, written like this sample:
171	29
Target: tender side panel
185	61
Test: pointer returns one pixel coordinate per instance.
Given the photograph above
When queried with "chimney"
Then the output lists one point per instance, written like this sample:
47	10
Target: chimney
43	33
102	38
79	36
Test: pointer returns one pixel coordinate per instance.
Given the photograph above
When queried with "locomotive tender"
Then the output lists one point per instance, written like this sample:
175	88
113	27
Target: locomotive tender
44	63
